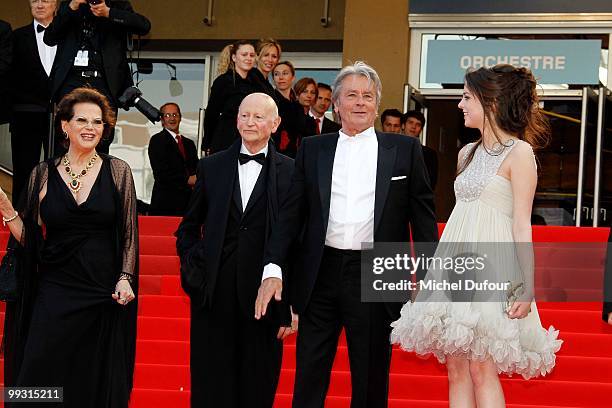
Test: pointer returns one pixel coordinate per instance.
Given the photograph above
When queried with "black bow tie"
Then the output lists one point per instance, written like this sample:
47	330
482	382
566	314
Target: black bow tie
245	158
40	28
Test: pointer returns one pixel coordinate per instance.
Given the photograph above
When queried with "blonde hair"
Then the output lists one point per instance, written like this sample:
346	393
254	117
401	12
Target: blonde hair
266	43
225	58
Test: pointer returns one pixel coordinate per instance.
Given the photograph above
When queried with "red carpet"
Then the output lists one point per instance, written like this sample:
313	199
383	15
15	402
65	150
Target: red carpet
582	377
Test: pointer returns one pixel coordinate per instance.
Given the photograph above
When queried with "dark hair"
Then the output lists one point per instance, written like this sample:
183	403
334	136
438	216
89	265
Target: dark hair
161	108
301	85
289	64
418	115
390	112
322	85
510	102
65	109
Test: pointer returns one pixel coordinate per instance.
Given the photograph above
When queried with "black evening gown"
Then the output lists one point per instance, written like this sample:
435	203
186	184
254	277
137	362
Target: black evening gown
77	339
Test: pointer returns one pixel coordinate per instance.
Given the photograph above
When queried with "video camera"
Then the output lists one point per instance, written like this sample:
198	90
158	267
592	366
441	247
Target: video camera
131	98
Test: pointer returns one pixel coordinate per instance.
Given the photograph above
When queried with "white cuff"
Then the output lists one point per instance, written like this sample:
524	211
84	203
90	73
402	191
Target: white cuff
272	271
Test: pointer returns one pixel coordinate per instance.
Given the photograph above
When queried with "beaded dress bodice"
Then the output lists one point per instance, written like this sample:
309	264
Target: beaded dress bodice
483	167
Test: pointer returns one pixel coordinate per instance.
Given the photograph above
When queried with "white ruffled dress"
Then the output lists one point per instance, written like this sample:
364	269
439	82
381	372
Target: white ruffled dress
479	330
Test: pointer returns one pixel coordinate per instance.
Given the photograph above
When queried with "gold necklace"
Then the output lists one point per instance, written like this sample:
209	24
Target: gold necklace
75	184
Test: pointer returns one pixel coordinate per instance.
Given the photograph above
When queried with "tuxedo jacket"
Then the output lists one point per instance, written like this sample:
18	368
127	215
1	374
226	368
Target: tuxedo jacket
111	34
329	126
201	236
29	81
400	206
171	192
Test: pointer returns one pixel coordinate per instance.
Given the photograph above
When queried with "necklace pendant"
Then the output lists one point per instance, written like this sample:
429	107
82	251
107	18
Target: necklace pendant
75	186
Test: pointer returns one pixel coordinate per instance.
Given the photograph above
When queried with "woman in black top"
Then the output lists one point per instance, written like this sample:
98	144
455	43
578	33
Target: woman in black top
226	94
291	128
75	323
306	91
268	54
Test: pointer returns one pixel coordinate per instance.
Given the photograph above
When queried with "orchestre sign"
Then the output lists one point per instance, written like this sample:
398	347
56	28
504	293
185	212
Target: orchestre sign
552	61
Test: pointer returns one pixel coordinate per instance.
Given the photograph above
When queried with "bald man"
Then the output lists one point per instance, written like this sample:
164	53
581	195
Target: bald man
235	359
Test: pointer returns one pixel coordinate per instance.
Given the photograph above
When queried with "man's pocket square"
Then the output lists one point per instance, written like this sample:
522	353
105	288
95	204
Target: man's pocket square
398	178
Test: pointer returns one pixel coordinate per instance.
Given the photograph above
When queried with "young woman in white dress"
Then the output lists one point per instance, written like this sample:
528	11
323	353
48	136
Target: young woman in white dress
494	188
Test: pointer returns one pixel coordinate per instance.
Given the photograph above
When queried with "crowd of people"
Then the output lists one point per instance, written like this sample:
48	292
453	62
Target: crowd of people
287	198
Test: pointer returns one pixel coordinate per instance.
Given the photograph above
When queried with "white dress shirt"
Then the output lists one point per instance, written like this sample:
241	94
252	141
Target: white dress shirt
45	53
353	189
351	206
248	173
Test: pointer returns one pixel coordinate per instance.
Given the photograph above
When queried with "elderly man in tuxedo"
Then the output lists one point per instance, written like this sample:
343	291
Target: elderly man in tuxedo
31	68
350	187
235	359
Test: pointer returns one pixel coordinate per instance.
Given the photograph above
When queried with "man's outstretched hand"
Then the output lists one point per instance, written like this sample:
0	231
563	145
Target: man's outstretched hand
269	287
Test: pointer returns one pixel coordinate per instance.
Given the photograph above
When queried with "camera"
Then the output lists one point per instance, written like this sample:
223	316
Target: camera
131	97
94	2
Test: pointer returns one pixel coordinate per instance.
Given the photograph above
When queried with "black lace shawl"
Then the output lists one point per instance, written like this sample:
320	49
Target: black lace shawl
18	314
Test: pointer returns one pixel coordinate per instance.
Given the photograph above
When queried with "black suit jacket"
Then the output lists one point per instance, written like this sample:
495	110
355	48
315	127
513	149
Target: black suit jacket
6	56
171	192
201	234
112	32
400	206
30	82
329	126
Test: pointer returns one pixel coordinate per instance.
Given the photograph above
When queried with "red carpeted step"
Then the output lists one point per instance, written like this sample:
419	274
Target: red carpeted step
551	233
154	398
163	328
157	245
171	286
149	284
162	377
158	225
163	306
588	321
162	352
159	265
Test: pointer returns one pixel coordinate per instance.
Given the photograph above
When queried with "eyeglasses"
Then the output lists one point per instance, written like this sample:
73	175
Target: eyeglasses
171	115
244	117
82	122
33	2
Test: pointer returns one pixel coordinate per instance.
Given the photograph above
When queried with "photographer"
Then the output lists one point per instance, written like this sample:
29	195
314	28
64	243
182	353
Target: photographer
91	36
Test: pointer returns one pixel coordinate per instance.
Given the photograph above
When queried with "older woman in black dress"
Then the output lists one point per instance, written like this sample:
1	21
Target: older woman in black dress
75	325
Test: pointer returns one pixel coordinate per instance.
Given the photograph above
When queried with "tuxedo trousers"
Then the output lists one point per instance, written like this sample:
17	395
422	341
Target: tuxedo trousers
335	304
29	133
235	359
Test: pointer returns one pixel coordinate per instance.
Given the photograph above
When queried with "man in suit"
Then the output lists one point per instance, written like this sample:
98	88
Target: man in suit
391	121
318	109
350	187
6	51
174	160
235	359
31	67
413	123
92	49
